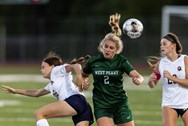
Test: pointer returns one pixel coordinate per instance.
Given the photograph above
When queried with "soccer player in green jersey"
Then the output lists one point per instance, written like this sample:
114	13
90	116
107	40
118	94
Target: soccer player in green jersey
110	100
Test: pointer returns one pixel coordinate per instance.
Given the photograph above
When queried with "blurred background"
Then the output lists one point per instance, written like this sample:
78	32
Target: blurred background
29	29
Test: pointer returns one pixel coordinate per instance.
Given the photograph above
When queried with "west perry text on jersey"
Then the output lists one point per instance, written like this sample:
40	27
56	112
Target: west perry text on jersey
103	72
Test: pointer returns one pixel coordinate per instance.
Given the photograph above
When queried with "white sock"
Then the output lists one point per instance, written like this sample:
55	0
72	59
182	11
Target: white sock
42	122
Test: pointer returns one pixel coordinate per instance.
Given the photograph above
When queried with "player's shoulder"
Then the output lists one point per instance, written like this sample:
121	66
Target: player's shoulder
59	69
185	58
56	68
121	57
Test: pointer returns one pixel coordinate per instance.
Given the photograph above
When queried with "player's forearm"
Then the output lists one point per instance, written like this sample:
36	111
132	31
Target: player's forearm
140	78
79	80
183	82
78	69
31	93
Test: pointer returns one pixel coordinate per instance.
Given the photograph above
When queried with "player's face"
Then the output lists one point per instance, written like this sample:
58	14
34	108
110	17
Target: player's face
167	47
46	70
109	49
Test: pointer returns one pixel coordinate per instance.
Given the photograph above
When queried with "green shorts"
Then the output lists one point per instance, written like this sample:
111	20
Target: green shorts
120	112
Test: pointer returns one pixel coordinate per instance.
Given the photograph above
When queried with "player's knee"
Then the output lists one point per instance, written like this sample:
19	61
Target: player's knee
38	115
83	123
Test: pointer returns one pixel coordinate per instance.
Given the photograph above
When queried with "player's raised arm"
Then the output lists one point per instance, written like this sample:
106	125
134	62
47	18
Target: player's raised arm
77	68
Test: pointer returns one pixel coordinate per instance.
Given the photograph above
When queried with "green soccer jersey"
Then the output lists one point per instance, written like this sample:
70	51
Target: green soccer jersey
108	79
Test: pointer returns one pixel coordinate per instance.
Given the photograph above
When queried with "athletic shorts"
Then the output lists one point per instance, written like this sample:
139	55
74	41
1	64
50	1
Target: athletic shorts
82	107
120	112
180	112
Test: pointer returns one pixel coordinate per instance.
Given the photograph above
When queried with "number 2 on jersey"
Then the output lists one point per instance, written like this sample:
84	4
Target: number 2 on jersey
171	82
106	80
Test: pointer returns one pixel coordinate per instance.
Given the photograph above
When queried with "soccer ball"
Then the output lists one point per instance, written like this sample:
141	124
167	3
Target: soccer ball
133	28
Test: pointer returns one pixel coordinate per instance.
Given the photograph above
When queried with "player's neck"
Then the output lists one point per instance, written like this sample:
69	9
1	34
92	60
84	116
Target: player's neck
172	57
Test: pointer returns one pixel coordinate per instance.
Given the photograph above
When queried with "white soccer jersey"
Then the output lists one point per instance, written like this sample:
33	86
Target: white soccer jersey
61	85
174	95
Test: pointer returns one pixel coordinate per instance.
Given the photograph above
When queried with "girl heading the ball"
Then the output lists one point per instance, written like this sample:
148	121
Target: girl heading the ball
110	100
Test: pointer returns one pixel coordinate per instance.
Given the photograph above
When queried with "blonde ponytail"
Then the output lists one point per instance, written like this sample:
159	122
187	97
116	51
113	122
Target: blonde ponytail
114	23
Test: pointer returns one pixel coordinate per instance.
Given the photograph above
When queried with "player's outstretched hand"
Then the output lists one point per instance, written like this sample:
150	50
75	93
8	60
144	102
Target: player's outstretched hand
8	89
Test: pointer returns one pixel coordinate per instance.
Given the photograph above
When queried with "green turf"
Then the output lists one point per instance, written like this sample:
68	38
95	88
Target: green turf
145	105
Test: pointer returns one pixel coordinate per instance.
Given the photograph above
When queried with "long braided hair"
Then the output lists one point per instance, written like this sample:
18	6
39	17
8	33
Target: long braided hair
114	35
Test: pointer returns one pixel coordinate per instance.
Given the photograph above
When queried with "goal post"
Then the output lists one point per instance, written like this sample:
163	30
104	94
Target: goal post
168	12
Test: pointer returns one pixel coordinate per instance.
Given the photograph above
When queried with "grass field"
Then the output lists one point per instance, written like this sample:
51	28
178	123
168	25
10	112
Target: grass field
16	110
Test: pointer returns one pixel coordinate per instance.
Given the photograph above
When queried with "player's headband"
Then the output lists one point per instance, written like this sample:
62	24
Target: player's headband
169	38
